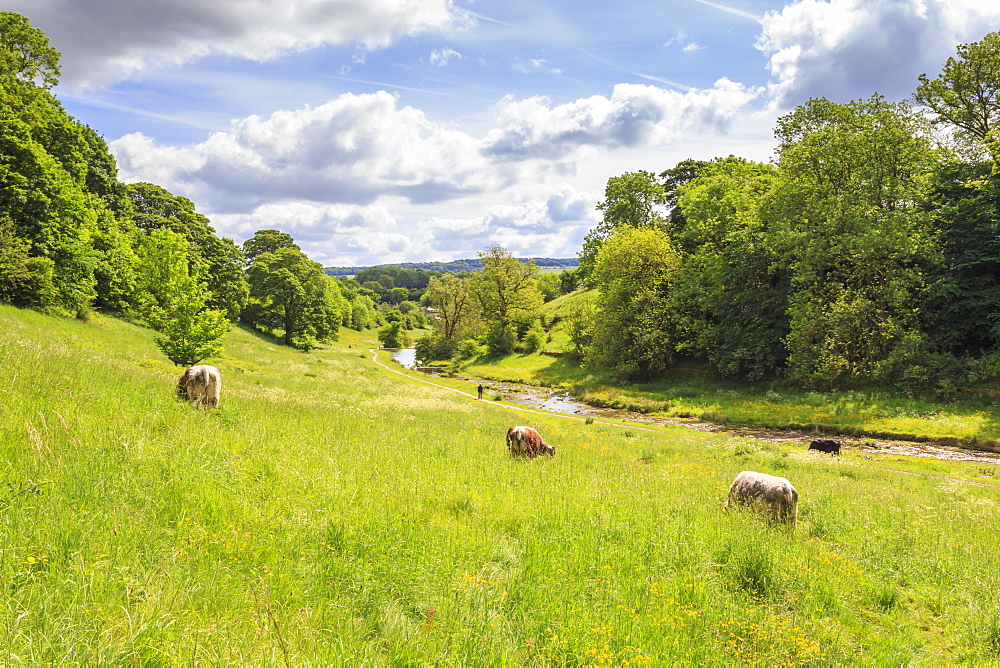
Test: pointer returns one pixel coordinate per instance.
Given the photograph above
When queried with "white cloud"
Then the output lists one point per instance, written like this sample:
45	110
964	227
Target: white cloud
352	149
684	42
113	39
362	179
441	57
848	49
633	115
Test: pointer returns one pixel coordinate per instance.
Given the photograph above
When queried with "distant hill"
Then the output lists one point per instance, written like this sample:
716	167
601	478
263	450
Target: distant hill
457	265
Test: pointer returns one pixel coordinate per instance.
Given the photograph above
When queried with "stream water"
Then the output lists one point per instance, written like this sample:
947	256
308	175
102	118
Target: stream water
406	357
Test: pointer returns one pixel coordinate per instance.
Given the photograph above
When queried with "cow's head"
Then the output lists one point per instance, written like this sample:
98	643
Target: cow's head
549	449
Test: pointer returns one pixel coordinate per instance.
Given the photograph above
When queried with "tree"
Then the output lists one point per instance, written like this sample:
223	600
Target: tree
673	180
845	219
394	335
172	300
634	199
290	292
966	95
50	211
267	241
24	280
222	262
731	295
453	300
507	296
25	52
631	330
963	311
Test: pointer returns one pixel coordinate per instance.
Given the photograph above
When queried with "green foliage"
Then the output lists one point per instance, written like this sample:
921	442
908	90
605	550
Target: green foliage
25	52
506	295
534	339
290	292
173	300
966	95
24	280
634	273
267	241
363	313
732	293
634	199
963	313
221	261
454	304
845	215
435	348
393	335
550	286
49	211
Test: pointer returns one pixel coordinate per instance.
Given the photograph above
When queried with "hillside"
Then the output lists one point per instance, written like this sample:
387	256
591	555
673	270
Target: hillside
543	263
330	512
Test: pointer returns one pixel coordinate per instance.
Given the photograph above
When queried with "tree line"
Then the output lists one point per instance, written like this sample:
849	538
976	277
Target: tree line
73	238
866	252
454	266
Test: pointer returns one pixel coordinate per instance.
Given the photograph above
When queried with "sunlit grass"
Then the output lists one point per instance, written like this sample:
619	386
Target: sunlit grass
332	513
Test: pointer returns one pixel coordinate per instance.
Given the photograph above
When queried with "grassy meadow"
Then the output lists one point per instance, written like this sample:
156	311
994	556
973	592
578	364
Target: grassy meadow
331	512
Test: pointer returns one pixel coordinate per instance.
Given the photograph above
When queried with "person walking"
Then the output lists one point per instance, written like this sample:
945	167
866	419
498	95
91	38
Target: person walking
480	388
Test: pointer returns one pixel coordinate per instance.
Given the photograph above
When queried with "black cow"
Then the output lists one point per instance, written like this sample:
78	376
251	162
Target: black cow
827	445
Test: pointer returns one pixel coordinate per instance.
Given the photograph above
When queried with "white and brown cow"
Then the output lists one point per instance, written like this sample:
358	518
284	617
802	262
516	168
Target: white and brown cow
201	385
773	497
526	442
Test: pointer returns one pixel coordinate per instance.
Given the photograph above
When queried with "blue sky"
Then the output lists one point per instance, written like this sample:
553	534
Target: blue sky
411	130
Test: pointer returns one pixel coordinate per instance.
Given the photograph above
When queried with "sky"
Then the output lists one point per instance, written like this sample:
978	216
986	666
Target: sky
385	131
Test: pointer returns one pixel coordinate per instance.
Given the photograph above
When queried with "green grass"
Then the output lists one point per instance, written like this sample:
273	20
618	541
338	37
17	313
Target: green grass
330	512
691	393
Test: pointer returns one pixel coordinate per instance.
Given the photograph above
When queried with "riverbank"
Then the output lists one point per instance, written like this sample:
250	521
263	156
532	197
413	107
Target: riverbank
869	422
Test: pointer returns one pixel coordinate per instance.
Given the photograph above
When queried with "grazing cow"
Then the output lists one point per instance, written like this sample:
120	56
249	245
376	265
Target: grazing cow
773	497
527	442
827	445
201	386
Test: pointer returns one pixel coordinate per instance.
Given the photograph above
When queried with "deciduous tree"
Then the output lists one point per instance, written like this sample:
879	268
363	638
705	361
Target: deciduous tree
632	332
507	296
634	199
966	95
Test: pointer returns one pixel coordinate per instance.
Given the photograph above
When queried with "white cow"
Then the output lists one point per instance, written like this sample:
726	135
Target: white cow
772	496
201	385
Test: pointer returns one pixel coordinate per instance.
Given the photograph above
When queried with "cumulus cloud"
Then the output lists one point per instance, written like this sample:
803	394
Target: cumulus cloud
362	179
352	149
113	39
633	115
848	49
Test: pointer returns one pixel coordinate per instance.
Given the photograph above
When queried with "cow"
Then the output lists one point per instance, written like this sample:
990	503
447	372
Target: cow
827	445
773	497
525	441
201	385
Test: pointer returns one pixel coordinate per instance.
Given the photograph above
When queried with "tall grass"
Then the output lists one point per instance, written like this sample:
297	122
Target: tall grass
331	513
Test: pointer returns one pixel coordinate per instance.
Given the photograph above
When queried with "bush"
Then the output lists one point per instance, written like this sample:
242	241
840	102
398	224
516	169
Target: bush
469	349
394	335
435	347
